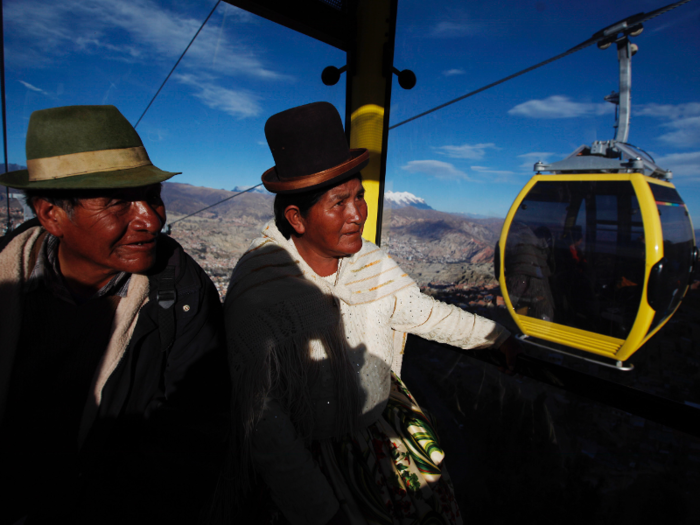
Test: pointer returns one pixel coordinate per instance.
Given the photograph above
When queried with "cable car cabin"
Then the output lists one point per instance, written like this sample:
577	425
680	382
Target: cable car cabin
598	255
595	261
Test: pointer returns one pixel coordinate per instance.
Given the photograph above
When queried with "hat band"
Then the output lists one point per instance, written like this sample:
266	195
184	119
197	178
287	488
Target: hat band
74	164
314	179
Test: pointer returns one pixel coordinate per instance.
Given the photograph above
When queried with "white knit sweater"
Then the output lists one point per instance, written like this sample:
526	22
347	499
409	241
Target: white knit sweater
376	336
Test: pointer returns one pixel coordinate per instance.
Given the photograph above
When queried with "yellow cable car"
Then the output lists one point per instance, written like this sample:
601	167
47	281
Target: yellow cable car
597	262
598	255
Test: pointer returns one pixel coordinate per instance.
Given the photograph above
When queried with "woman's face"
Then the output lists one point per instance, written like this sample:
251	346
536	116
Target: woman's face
333	226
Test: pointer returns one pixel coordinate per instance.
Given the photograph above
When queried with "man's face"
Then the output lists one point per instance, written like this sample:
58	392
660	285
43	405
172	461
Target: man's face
112	233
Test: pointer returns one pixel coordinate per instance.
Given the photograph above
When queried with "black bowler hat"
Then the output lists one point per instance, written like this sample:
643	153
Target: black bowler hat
310	150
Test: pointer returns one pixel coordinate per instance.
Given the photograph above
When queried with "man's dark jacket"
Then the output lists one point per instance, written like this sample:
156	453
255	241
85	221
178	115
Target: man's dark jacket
156	446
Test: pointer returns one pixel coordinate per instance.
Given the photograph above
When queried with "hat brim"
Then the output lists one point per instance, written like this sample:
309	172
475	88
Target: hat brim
358	160
131	178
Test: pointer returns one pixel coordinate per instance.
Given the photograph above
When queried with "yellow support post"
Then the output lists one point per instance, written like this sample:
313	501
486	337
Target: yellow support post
370	61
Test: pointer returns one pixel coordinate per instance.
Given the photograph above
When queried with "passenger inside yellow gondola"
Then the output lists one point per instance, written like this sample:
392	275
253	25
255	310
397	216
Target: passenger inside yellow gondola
575	240
575	280
528	271
627	290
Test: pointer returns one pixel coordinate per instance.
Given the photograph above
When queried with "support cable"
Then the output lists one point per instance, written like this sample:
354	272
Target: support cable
604	34
178	61
4	113
158	92
215	204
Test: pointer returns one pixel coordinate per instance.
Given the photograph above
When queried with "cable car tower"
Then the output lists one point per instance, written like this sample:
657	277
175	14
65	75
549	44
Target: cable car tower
596	255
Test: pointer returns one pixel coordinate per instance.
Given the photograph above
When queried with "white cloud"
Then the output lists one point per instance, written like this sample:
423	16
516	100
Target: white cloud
126	53
467	151
532	157
453	72
558	106
453	29
436	168
686	165
685	133
33	88
682	121
144	32
667	111
237	103
490	171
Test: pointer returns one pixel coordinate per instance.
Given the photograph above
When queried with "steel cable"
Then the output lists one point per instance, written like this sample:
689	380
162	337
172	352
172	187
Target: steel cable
178	61
599	36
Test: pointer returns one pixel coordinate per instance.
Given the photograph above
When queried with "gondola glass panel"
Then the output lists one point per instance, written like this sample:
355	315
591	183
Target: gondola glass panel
207	121
669	279
577	252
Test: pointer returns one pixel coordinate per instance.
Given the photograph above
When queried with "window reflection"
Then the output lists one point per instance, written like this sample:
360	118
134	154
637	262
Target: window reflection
575	256
207	121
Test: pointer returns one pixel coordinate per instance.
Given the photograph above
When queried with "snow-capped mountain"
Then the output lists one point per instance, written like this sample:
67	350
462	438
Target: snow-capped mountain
259	189
401	199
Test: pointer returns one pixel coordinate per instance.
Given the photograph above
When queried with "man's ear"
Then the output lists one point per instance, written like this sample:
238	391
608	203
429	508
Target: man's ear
296	221
50	216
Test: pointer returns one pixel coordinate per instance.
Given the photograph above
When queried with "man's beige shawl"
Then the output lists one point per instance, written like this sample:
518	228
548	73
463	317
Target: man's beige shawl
15	268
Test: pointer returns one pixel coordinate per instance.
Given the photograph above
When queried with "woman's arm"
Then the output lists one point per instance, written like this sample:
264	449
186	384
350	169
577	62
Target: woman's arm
420	314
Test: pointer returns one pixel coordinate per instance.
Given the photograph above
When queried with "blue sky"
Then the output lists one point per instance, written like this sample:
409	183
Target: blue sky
473	156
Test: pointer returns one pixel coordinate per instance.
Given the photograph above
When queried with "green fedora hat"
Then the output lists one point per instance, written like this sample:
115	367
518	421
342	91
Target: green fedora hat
83	147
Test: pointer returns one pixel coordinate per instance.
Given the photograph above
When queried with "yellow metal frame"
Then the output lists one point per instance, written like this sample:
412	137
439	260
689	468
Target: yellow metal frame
369	98
365	29
651	334
367	129
618	349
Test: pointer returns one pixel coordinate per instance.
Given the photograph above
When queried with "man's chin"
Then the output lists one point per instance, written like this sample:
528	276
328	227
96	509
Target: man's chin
141	265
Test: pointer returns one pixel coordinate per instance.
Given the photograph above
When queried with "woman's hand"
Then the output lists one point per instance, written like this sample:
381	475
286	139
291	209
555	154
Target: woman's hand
510	349
340	518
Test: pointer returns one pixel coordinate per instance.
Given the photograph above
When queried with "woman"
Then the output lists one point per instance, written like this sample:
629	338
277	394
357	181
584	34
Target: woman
316	322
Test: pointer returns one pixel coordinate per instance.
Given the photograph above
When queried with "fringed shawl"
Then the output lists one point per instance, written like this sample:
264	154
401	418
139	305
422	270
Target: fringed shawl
276	306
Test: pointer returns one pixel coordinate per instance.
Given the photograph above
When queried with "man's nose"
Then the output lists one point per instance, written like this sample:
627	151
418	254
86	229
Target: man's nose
146	217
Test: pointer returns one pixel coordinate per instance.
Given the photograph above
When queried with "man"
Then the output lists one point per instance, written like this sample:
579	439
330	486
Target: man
114	384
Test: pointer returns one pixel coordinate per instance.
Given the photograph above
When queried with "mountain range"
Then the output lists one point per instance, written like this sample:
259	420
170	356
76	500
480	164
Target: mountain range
11	167
432	246
184	199
405	216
